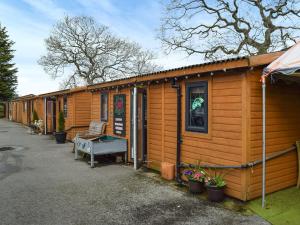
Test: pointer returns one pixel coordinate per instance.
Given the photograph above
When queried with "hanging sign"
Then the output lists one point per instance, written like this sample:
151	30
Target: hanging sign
119	114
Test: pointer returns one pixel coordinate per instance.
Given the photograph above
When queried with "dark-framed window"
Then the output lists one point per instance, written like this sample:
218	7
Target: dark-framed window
104	106
196	113
65	107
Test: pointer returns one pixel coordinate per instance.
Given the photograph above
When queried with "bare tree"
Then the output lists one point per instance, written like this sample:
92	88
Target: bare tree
229	27
84	52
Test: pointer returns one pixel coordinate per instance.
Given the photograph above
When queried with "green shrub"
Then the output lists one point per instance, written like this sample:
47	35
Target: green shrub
35	116
61	122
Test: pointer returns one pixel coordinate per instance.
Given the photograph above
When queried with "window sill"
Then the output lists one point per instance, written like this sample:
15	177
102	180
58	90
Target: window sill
197	134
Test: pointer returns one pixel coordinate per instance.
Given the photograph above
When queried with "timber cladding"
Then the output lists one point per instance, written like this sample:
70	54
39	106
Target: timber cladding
95	111
233	131
234	134
78	106
282	130
78	114
221	145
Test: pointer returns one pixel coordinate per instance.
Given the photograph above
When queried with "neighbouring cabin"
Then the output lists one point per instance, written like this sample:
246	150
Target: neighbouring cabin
220	121
74	103
21	109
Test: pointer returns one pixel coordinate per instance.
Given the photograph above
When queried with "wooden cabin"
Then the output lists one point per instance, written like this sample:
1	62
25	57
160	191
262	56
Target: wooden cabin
74	103
21	109
219	122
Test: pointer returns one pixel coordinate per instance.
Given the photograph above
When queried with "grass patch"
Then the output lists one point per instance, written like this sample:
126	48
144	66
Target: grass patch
282	207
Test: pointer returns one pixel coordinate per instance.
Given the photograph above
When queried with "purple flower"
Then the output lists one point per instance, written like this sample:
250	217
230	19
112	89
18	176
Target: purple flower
188	172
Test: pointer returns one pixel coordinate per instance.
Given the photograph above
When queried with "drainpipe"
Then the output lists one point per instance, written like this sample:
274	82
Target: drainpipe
263	79
178	146
135	134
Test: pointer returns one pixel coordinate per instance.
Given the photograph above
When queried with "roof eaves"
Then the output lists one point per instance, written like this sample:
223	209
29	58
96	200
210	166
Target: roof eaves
153	75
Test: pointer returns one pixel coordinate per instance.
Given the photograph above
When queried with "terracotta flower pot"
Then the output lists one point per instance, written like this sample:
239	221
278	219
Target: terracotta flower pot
196	187
215	194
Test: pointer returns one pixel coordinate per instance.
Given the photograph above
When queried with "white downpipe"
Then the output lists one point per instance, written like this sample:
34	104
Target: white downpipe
135	132
263	142
45	115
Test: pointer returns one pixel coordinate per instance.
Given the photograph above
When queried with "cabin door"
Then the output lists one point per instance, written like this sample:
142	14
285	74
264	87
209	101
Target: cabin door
141	126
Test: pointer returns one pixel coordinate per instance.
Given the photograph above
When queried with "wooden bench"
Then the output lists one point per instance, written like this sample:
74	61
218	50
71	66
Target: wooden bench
96	130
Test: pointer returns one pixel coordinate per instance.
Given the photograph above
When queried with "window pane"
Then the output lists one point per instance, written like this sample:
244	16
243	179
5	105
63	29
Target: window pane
65	106
196	111
197	106
104	107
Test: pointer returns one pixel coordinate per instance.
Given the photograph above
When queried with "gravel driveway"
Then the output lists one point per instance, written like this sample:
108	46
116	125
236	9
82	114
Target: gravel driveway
40	183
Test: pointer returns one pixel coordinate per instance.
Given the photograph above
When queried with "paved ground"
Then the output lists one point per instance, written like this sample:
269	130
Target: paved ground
42	184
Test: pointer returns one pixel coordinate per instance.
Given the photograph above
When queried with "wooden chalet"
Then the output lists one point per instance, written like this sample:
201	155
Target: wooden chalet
210	112
74	103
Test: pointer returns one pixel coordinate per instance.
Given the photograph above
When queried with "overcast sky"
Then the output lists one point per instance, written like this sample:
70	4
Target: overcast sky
29	22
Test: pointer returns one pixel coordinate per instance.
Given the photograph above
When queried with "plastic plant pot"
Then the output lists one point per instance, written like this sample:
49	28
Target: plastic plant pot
215	194
60	137
196	187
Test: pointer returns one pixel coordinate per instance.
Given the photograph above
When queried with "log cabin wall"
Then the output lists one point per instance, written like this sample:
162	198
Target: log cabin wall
78	112
223	144
14	111
24	112
38	106
82	112
95	112
79	117
49	112
19	111
282	131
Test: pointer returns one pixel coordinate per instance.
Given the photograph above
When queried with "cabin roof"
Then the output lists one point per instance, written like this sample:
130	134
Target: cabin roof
24	97
207	67
63	92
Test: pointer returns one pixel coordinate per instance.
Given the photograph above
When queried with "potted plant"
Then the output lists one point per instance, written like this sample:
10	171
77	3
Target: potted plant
215	186
196	178
60	136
